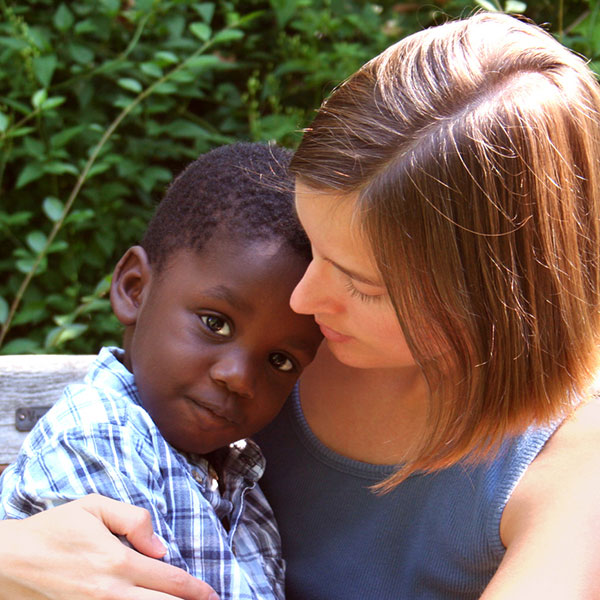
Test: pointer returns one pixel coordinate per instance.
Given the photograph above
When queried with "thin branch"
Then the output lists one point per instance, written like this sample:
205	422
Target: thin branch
81	179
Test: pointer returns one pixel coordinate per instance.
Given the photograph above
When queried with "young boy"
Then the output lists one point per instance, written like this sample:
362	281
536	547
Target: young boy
211	351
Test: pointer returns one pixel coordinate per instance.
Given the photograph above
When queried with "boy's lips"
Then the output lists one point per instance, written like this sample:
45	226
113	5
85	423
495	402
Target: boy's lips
227	410
331	334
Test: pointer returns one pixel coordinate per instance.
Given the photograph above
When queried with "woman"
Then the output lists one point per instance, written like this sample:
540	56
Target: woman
450	190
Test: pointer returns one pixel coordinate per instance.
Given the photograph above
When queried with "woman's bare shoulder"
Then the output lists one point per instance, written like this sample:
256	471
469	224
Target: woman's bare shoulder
567	467
551	524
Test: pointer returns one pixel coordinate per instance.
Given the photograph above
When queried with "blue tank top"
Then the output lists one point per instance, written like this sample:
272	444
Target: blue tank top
434	537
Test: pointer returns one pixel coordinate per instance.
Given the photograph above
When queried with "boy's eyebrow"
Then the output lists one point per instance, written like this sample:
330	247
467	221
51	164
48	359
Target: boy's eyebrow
354	275
224	293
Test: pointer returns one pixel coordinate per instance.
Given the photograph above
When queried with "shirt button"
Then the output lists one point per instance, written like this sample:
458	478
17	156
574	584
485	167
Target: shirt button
197	476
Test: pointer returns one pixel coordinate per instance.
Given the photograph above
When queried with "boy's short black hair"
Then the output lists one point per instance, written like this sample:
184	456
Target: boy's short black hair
243	187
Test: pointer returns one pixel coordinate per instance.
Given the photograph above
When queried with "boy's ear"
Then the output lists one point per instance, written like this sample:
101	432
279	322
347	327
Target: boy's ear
130	279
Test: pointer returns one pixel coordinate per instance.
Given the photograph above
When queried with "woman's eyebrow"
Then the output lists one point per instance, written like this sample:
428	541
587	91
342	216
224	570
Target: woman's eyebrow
354	275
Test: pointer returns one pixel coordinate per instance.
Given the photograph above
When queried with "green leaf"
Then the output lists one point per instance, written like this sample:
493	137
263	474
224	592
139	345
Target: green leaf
64	136
77	217
98	168
181	128
130	84
151	69
4	309
19	106
34	148
39	98
52	102
57	167
25	265
228	35
166	88
63	320
284	10
166	58
487	5
182	76
81	54
19	131
144	5
58	246
515	6
3	121
95	305
103	286
53	208
85	27
112	65
202	62
16	219
13	43
111	7
43	68
20	346
63	18
206	10
31	172
31	312
153	175
201	30
36	240
59	335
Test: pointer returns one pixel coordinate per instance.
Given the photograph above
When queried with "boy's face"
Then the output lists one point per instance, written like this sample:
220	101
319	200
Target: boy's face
214	345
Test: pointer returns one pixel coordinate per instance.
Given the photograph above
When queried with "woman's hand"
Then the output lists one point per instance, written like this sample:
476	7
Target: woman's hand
69	553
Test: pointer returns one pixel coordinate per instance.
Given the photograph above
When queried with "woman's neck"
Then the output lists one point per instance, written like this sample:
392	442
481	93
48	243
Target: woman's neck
371	415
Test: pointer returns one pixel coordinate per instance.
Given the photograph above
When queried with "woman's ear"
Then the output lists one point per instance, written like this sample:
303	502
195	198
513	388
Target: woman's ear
130	278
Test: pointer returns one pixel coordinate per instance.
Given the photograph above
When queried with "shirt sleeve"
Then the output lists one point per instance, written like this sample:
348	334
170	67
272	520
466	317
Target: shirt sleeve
125	464
108	459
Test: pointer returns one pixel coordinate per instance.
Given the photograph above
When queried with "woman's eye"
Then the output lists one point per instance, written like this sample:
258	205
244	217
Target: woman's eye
281	362
360	295
216	325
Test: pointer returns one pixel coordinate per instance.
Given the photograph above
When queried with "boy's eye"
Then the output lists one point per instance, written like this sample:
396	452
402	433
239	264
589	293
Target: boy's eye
281	362
216	325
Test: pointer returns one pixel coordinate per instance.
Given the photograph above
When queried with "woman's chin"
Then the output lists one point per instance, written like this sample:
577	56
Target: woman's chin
349	356
354	355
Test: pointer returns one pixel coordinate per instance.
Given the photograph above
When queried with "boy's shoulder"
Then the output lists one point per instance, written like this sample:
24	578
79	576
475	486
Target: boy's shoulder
107	397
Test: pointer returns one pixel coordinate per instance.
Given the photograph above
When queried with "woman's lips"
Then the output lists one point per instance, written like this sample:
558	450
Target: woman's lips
332	335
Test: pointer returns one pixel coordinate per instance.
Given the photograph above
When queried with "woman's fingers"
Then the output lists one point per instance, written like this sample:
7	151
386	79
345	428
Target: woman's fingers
165	582
69	553
135	524
125	519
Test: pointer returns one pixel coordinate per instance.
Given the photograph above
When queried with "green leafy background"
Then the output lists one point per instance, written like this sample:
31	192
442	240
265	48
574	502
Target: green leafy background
103	101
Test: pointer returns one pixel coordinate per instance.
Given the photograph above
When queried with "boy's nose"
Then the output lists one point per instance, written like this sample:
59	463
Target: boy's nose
236	372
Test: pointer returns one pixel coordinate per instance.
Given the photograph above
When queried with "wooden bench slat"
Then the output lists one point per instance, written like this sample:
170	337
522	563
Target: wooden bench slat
28	381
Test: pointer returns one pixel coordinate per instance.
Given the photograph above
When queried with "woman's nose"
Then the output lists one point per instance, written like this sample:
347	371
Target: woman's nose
236	372
312	293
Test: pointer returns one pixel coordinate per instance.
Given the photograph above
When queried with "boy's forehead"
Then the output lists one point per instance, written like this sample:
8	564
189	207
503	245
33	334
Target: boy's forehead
224	243
225	259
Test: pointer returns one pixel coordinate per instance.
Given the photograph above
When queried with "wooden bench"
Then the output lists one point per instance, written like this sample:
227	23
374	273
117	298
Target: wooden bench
29	385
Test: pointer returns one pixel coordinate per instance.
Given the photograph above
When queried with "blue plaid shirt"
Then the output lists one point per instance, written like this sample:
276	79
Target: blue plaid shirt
98	438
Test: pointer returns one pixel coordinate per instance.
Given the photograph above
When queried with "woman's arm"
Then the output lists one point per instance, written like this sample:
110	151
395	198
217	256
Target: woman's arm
69	553
551	524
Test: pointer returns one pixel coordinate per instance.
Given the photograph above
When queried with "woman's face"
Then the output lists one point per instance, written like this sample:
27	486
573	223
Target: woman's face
343	288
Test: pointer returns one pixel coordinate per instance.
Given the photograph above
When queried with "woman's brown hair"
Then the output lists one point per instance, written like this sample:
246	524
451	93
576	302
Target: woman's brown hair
474	148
